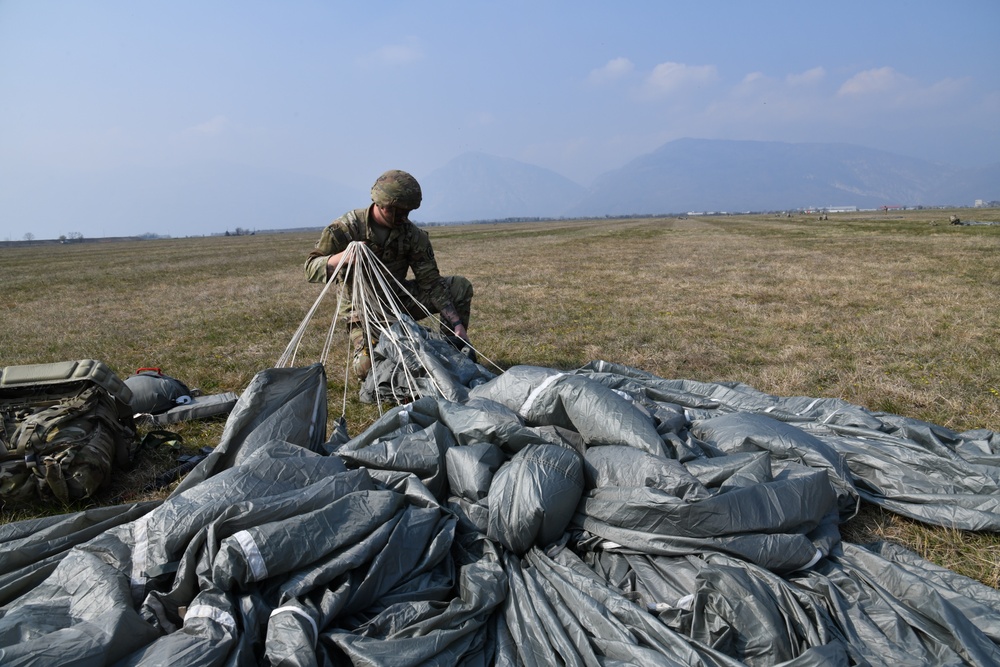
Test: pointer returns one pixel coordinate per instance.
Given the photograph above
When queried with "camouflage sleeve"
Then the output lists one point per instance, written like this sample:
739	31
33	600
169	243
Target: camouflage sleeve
316	269
426	273
334	239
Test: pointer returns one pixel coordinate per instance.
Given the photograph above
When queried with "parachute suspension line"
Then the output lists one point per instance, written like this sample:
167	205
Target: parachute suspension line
382	277
427	313
328	343
287	358
373	299
347	378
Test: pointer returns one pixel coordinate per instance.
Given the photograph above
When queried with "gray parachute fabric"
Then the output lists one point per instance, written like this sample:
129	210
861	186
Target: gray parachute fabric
543	397
603	516
276	550
409	361
31	549
532	498
153	392
287	405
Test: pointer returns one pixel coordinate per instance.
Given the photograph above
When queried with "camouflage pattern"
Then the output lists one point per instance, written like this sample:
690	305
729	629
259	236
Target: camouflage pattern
397	188
401	249
59	441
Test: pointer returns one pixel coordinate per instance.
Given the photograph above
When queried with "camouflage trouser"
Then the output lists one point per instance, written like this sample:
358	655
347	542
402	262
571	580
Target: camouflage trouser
461	296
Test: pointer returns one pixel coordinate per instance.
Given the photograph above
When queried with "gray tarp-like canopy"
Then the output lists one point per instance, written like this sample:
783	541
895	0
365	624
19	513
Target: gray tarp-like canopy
602	516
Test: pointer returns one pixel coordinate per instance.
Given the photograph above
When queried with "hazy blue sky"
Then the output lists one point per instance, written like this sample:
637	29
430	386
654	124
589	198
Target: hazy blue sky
91	90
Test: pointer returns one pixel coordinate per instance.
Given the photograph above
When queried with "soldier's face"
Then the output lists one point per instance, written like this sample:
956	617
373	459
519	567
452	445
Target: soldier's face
390	216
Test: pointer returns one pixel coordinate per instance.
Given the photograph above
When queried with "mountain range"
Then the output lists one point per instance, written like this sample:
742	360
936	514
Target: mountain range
704	175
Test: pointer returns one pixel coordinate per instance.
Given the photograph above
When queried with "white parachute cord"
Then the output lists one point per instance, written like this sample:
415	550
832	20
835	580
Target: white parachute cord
287	358
328	343
347	378
373	299
376	272
428	313
348	257
373	296
381	275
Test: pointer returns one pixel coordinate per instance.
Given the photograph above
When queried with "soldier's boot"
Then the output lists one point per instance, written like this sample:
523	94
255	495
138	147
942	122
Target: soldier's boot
361	359
362	364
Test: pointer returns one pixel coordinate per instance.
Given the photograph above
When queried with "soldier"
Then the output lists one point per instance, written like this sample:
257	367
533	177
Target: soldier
384	226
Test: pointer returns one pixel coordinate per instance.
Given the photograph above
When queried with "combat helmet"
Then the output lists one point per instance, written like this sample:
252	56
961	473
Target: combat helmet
396	188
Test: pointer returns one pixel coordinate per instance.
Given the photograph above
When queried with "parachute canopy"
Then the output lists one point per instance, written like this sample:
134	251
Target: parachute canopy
596	516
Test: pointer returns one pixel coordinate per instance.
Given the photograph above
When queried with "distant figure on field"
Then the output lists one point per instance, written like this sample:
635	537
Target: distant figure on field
384	226
953	219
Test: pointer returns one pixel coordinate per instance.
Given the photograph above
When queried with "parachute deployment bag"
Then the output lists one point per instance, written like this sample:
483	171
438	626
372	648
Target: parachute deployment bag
162	400
66	426
153	392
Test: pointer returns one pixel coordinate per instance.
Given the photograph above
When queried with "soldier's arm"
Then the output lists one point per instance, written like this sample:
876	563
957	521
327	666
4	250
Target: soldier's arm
326	254
316	269
456	325
428	276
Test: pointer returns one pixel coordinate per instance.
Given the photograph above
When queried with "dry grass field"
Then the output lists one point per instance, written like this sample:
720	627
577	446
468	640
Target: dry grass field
895	312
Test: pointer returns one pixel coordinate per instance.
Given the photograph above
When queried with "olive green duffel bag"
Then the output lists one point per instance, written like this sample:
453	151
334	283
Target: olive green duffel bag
66	427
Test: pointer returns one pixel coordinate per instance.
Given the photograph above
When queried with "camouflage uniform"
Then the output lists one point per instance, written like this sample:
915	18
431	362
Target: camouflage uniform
402	248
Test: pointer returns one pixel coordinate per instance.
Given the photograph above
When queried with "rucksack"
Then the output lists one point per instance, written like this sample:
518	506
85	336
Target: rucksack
66	427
